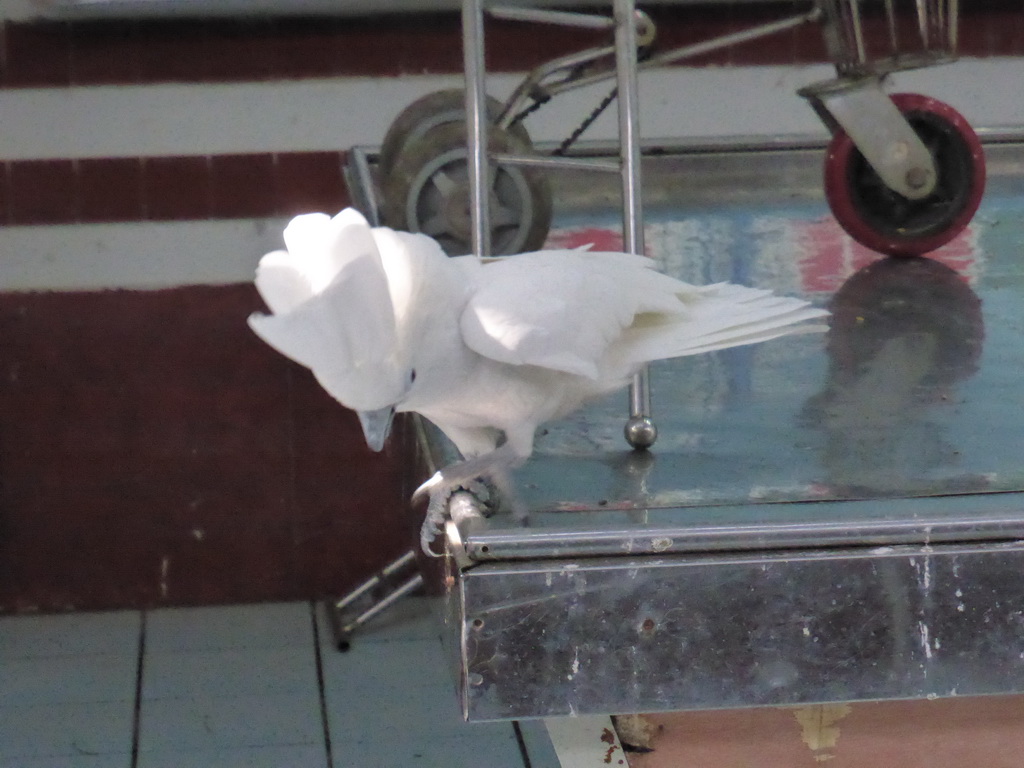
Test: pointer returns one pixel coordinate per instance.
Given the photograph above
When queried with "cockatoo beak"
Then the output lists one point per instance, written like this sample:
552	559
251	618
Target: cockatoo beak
376	426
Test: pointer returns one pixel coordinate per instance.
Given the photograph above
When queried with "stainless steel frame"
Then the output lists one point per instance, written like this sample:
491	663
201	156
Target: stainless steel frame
640	430
559	637
854	102
616	607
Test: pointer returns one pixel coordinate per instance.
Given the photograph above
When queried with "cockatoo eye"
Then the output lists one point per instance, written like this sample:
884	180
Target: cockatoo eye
412	376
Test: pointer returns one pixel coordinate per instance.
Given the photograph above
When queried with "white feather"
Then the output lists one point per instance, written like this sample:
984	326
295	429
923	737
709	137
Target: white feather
489	347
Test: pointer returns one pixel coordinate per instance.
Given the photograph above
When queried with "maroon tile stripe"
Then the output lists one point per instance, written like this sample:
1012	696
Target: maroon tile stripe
170	188
139	428
42	54
152	451
50	54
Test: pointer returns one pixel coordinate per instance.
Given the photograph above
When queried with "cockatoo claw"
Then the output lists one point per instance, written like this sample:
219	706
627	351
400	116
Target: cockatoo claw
470	475
427	488
438	490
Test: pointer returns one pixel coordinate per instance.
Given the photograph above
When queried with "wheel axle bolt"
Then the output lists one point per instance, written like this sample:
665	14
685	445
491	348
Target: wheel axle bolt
917	178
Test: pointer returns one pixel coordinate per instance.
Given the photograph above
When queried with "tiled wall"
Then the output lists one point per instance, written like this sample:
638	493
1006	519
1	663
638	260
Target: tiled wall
61	55
45	54
151	450
154	451
183	188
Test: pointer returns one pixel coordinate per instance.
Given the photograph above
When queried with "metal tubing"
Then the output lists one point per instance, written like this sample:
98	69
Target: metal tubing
668	57
406	560
561	18
629	125
407	587
568	163
734	38
476	128
362	166
569	64
629	148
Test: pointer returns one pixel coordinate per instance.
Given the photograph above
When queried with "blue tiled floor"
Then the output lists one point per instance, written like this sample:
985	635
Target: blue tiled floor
259	686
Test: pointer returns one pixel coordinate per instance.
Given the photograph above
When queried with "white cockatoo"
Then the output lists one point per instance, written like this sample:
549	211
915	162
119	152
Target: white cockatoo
486	349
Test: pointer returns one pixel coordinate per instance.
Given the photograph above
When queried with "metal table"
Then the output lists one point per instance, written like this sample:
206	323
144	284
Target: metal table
824	518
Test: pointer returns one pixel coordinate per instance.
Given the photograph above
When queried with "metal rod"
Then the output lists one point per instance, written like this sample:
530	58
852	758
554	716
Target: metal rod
632	203
890	16
569	64
676	54
476	127
733	38
858	32
407	587
954	26
409	558
365	175
562	18
578	164
629	125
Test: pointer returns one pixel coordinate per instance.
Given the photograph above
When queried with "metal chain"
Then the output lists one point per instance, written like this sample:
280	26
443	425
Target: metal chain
643	53
538	102
587	122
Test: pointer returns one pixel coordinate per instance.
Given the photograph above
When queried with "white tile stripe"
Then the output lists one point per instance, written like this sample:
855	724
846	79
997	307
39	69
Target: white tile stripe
138	256
337	113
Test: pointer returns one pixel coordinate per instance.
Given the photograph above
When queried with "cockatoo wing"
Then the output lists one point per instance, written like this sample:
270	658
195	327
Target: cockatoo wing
718	317
562	309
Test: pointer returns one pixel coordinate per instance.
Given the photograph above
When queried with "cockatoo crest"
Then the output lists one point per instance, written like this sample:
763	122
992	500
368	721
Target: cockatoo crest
332	309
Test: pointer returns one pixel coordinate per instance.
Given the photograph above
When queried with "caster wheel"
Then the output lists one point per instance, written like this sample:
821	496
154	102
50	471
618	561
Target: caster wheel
434	109
886	221
428	191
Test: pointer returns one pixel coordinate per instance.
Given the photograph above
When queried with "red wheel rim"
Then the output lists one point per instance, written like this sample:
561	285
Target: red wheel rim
841	197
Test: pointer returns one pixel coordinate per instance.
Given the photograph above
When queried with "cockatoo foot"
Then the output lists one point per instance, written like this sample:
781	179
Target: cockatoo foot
469	475
439	493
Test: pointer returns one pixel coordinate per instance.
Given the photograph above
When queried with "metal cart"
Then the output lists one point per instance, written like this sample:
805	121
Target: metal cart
647	591
821	521
903	174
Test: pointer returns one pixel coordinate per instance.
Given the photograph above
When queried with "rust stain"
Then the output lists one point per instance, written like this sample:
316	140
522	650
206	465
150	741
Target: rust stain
609	738
820	729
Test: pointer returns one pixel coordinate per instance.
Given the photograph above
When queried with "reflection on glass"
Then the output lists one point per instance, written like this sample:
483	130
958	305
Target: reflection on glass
903	334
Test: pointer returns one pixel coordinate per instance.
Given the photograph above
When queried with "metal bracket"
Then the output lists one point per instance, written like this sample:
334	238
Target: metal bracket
880	131
382	590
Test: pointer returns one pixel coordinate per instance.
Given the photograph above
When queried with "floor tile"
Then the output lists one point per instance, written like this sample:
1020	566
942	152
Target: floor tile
73	761
238	686
498	749
61	731
69	679
230	673
538	744
231	722
393	666
67	689
392	702
271	625
27	637
246	757
413	618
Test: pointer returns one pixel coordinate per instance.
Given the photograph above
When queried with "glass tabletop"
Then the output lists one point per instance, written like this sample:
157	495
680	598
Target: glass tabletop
902	422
